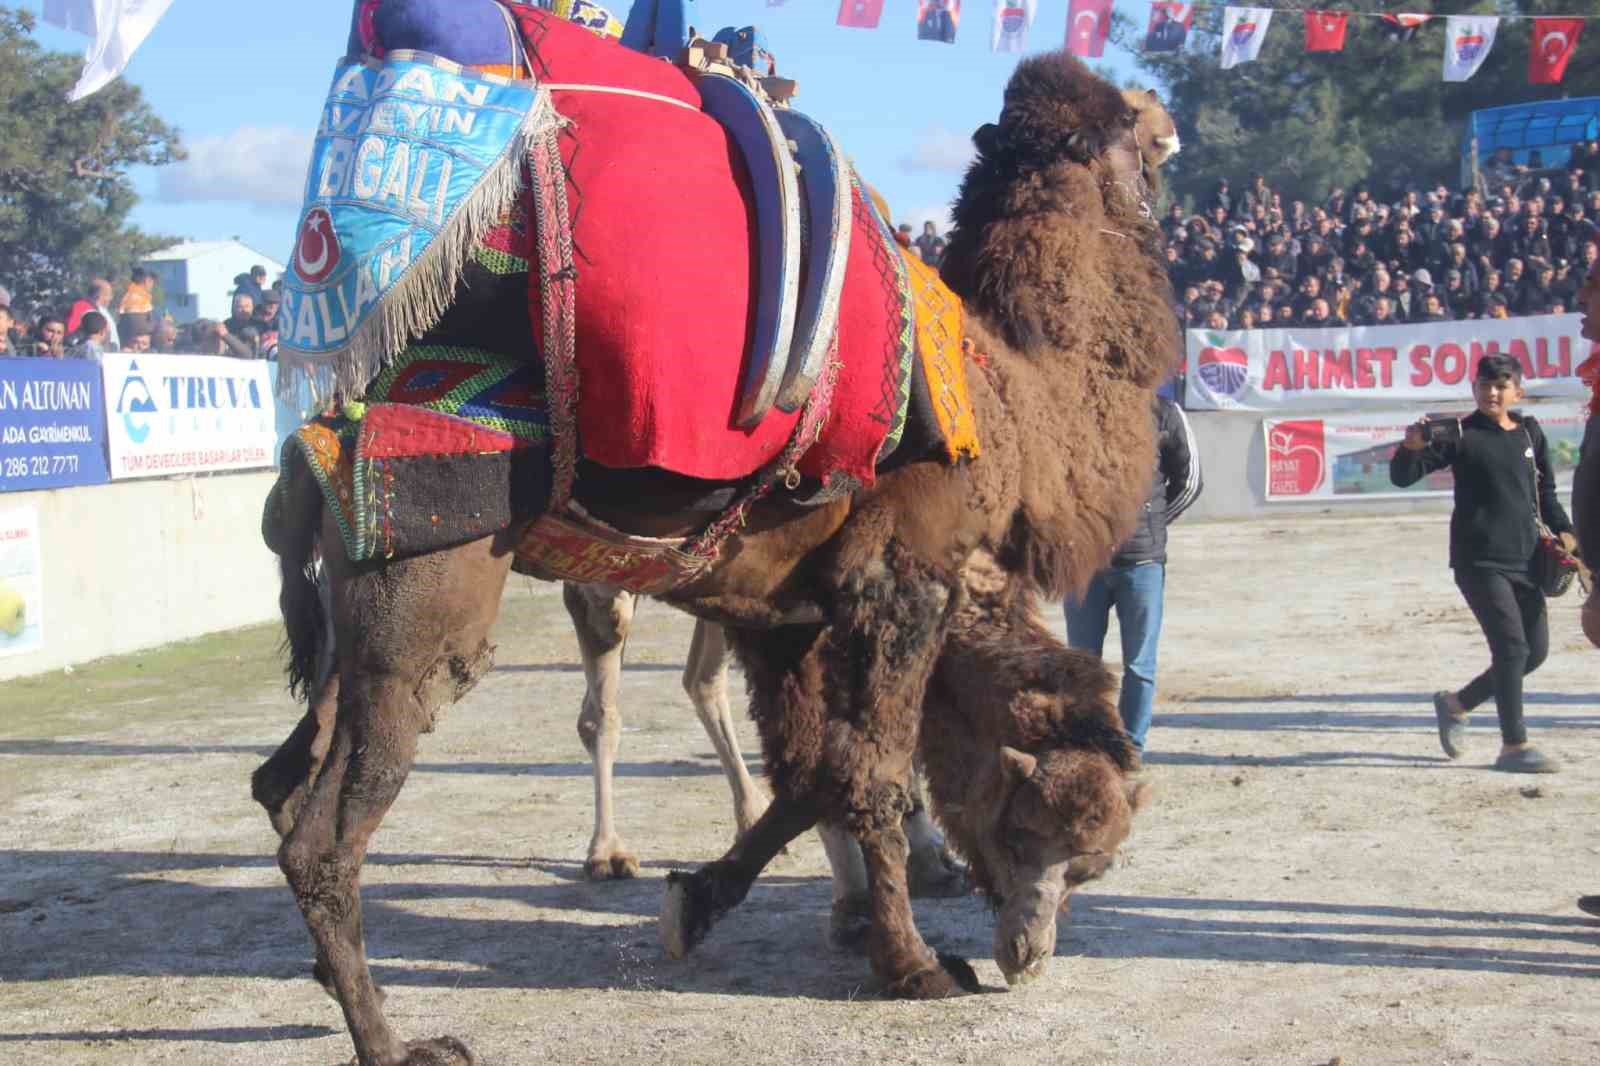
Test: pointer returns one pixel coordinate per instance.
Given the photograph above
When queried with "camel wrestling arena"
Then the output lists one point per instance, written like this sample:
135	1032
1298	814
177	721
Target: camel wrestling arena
1313	883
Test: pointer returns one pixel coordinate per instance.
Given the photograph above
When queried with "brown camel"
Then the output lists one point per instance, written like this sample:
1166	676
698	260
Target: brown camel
840	613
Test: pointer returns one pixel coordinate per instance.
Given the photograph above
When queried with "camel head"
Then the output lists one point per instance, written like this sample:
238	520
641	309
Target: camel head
1055	821
1153	127
1055	236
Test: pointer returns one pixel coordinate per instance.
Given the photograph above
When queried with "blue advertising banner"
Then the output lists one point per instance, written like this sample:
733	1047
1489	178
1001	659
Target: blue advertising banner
52	424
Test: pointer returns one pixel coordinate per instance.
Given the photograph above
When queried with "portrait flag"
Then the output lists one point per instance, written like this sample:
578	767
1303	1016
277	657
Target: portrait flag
1243	30
1012	20
1169	27
862	14
937	20
1088	22
1552	45
1467	40
120	27
1403	27
1325	30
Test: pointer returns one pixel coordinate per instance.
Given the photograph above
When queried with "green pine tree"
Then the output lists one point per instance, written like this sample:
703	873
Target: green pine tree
64	188
1378	110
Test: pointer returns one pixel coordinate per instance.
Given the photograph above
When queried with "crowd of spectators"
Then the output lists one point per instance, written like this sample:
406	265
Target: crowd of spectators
102	320
1521	245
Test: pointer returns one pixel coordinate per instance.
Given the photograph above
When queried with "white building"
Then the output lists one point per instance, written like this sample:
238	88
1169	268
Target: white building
196	277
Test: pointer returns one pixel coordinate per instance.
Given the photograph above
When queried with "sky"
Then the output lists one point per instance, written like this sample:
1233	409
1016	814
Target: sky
244	84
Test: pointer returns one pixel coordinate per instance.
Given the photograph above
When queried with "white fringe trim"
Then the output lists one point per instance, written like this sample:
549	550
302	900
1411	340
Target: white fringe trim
418	300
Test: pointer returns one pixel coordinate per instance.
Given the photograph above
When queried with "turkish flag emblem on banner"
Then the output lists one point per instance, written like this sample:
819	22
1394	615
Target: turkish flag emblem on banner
862	14
1325	30
1554	41
1088	22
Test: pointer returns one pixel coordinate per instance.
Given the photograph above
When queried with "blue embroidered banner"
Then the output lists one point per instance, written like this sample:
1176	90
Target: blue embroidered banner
52	424
413	158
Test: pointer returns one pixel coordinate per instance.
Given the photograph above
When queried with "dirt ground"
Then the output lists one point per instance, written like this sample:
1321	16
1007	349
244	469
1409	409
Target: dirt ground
1315	881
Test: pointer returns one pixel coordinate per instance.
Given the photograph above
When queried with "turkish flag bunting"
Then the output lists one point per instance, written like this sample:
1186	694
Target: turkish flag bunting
1403	26
862	14
1554	41
1088	22
1325	30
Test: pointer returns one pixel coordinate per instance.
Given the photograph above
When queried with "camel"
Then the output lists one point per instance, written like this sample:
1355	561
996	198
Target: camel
844	613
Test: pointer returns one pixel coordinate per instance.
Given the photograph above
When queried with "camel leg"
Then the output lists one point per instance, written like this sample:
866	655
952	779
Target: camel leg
601	615
851	916
931	872
705	679
281	783
412	637
899	956
694	902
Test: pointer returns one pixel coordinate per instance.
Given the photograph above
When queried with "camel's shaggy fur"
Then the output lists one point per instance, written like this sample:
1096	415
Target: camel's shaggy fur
1060	259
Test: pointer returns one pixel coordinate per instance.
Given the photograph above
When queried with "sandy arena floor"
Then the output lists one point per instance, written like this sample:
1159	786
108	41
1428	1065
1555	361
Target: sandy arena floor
1315	883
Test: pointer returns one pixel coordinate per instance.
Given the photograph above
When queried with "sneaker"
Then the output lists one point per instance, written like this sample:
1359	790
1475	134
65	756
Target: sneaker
1526	761
1452	729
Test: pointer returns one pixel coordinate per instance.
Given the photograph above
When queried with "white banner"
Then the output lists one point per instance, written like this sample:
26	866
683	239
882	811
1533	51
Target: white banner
1346	456
21	582
174	414
1012	18
1360	366
1467	40
1243	30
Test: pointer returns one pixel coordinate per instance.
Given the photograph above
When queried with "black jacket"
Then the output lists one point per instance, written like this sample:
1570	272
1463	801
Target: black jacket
1174	486
1493	521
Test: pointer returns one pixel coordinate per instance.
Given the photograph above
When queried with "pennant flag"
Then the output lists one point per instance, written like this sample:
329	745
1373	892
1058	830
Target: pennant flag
1243	30
120	26
862	14
1325	30
1169	27
1467	40
74	15
937	19
1554	41
1088	22
1403	27
1012	19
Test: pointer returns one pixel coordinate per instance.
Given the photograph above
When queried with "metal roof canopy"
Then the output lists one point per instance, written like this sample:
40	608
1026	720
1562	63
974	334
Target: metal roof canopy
1543	125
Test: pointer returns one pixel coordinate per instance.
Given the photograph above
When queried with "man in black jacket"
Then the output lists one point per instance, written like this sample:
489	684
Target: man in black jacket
1135	581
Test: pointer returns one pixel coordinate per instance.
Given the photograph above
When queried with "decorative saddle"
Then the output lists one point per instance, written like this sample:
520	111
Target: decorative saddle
709	289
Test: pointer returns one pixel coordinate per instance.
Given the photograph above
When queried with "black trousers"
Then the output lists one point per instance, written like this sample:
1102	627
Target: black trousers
1510	609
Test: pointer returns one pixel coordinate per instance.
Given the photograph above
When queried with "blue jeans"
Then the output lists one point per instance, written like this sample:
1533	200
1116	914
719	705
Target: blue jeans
1136	592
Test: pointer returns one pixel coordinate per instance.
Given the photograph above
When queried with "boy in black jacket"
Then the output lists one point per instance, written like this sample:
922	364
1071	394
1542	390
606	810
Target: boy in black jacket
1503	480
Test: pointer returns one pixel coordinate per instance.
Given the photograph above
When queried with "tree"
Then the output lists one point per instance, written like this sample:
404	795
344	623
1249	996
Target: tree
64	188
1377	111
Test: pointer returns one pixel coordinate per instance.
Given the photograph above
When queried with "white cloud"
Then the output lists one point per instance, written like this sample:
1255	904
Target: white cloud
260	165
938	149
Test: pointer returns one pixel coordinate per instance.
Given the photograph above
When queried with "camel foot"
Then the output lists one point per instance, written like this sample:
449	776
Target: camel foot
952	977
619	866
849	923
680	927
325	978
933	873
441	1051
